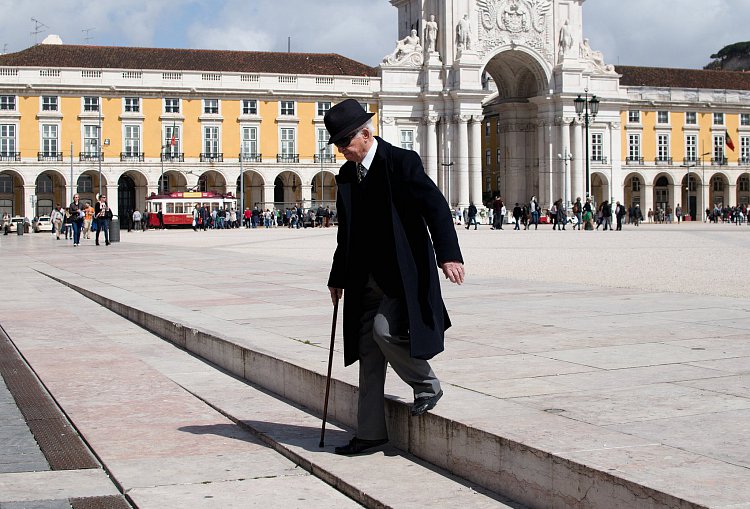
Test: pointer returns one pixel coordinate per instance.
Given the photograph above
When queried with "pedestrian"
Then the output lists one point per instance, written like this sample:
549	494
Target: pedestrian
620	213
103	214
385	264
75	210
136	220
678	213
517	212
497	213
472	216
57	217
607	215
562	215
578	213
534	210
6	223
160	217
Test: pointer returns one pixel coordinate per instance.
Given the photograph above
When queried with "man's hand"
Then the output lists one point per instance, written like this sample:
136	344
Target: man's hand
336	294
453	271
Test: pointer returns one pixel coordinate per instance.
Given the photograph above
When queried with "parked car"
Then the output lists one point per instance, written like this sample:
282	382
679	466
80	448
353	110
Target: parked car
42	224
15	222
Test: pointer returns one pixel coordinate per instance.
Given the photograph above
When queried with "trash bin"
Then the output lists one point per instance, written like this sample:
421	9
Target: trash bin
19	228
114	229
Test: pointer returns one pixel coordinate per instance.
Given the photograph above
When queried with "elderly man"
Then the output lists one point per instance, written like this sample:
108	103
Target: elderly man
394	224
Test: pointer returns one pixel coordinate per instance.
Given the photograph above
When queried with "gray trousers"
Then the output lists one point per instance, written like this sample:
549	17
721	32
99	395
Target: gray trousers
383	340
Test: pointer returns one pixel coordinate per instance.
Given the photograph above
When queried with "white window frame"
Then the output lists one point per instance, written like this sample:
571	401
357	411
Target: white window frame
131	140
322	107
597	146
211	106
90	104
718	147
50	103
662	117
8	103
691	147
720	117
744	149
691	115
211	140
287	141
634	116
172	105
634	147
131	104
90	133
8	139
173	151
662	147
50	142
287	108
249	106
324	149
406	139
249	141
745	119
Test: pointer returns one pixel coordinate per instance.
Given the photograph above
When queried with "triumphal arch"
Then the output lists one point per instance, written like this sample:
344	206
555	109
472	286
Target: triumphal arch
485	90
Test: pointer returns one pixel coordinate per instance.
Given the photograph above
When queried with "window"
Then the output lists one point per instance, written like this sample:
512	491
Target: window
132	104
287	108
172	140
488	158
90	140
691	147
407	139
662	117
745	149
745	119
691	118
164	184
211	106
324	149
8	140
743	184
634	147
323	107
634	117
171	105
49	103
662	147
6	184
718	119
365	106
90	104
44	184
49	140
499	156
287	142
7	103
132	140
635	184
488	184
211	140
85	184
597	146
249	142
718	184
497	183
718	153
249	107
487	128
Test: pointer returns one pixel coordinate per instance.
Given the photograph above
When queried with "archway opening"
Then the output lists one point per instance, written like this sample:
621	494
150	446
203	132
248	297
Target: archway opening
253	192
718	189
633	190
287	190
11	194
212	181
743	190
691	200
324	190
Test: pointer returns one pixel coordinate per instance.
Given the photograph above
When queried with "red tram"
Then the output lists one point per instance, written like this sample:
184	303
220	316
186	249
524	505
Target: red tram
177	208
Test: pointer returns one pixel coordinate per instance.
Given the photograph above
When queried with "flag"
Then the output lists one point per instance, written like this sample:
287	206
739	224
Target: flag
173	141
729	141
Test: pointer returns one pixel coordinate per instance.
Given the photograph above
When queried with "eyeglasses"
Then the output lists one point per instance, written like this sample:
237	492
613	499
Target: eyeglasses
347	140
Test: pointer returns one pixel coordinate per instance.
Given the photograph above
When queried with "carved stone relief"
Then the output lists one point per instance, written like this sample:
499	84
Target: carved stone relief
515	22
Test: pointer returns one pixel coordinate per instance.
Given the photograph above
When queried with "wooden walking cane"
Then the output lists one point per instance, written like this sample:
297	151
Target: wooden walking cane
330	365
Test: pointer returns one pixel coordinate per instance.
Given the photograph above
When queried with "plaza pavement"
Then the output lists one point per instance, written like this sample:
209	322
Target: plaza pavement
622	356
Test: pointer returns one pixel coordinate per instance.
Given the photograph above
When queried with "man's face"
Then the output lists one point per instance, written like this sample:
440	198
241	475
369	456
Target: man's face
357	149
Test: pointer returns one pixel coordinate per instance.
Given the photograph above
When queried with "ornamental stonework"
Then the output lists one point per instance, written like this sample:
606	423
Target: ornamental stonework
516	23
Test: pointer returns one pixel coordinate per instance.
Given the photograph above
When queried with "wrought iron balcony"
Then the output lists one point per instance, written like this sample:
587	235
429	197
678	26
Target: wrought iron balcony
10	156
744	160
251	158
287	158
173	157
634	160
689	161
212	157
90	156
131	156
599	159
663	161
718	161
325	158
49	156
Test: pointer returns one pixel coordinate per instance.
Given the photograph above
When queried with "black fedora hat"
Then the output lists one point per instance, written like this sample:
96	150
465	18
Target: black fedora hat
344	118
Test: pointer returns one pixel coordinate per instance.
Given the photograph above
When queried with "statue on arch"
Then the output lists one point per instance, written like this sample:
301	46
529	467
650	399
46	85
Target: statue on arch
566	40
408	50
430	33
463	34
595	58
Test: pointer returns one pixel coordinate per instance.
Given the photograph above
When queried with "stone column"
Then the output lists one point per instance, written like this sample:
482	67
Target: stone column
541	146
731	197
615	161
28	205
461	166
475	161
647	195
268	201
577	179
112	198
306	200
431	154
564	148
446	158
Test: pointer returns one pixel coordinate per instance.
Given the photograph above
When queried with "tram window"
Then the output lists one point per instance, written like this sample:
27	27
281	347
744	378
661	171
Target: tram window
178	208
170	208
216	205
188	207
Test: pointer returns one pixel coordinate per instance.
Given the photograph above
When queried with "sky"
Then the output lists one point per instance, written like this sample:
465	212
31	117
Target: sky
660	33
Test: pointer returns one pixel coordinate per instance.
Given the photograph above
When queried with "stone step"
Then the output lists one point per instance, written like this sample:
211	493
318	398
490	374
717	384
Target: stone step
460	436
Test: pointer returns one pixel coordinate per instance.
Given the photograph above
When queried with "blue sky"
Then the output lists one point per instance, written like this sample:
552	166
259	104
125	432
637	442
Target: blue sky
665	33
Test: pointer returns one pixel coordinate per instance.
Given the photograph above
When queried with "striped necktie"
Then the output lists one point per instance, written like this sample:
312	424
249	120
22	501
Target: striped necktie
361	172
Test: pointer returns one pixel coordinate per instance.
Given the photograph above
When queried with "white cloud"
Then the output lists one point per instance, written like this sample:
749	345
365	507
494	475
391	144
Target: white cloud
231	37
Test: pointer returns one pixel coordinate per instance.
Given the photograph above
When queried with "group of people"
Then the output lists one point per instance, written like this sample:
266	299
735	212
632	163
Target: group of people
79	218
736	214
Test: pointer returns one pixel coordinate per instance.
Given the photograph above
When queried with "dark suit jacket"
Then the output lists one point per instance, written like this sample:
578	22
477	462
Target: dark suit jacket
423	231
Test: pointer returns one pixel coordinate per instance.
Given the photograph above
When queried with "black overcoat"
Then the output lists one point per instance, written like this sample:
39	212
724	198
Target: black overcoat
424	233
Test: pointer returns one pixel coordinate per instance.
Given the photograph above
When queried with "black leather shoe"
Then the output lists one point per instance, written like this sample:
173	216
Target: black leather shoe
358	446
422	405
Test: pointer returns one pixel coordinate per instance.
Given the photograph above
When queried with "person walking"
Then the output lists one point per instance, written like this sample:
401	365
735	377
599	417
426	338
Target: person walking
472	216
76	218
57	218
678	213
385	266
607	215
578	212
517	212
497	213
620	213
103	214
534	211
136	220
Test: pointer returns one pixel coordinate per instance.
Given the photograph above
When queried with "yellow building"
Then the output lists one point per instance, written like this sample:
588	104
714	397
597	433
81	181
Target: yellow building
133	122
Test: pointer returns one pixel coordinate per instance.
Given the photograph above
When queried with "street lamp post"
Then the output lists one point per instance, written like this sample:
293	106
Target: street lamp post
587	109
565	157
161	182
242	187
99	148
688	165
